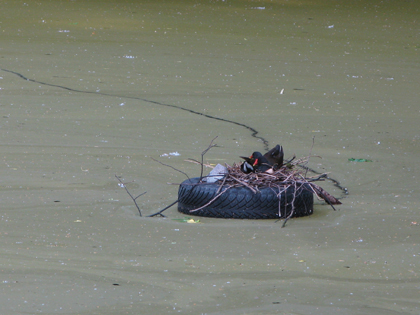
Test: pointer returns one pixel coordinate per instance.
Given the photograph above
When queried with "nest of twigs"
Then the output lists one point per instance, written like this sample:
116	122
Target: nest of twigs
290	174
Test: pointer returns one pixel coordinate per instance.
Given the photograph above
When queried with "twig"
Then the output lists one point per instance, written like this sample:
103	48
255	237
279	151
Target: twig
319	191
160	212
335	182
202	156
244	183
221	185
318	178
292	211
190	160
310	151
131	196
171	167
290	161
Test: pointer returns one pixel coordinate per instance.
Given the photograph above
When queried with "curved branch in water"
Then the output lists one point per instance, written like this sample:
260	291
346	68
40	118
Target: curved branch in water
253	131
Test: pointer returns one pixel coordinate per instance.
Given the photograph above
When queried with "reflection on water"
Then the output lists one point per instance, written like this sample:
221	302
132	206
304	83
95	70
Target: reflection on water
97	89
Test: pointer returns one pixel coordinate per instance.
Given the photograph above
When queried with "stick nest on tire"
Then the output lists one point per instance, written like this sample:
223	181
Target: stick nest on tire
287	175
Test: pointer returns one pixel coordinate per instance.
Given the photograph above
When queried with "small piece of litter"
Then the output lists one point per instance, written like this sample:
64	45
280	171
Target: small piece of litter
187	220
359	160
176	153
218	172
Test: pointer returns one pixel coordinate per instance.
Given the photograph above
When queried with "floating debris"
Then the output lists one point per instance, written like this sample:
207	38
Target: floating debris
176	153
217	173
187	220
359	160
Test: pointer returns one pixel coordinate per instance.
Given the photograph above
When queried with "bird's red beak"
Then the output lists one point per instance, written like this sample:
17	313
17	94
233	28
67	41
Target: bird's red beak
255	163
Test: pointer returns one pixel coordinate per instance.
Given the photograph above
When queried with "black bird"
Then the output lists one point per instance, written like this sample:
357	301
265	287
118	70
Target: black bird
262	163
255	163
275	157
247	166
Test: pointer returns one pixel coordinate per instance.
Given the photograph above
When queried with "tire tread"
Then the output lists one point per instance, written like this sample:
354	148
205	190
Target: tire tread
241	202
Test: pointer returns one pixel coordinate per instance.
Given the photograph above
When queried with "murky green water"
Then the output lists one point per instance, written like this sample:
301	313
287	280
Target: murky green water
94	89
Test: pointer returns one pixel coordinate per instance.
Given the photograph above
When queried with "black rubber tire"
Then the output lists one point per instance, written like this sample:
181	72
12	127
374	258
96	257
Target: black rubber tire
242	203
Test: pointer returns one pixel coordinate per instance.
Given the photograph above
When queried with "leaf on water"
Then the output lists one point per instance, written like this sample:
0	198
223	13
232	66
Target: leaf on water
187	220
359	160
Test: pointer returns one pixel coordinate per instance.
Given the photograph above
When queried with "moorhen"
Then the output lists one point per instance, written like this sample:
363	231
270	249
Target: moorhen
275	157
247	166
255	163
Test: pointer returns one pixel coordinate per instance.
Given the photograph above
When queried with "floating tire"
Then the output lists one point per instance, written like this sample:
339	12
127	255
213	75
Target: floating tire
242	203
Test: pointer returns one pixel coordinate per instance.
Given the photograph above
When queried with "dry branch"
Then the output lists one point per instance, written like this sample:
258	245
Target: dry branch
124	185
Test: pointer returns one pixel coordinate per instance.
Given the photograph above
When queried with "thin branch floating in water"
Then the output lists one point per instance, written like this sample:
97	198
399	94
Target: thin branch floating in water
124	185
